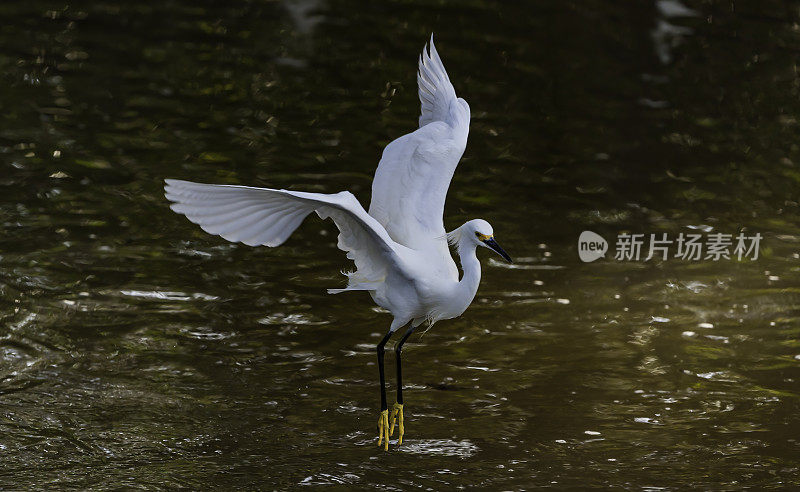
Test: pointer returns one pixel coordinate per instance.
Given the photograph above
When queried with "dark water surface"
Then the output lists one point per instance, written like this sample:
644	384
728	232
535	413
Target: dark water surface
138	351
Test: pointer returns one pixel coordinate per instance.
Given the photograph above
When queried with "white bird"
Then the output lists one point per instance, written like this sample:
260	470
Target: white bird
400	248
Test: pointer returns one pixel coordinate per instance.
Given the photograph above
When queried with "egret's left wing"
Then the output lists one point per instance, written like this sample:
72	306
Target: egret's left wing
263	216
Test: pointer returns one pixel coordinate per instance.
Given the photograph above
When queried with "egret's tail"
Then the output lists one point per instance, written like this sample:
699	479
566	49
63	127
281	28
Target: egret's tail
355	282
351	287
339	291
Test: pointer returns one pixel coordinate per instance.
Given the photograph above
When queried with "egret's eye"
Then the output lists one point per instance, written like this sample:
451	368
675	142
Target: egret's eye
478	234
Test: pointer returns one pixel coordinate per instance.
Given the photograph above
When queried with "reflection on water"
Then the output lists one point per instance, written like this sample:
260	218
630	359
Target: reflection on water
137	351
666	35
441	447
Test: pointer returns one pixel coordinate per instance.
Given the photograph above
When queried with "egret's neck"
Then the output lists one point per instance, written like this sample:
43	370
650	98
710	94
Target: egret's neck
468	286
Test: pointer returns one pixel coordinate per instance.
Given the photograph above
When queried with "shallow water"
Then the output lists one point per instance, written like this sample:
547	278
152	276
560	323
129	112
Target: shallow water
138	351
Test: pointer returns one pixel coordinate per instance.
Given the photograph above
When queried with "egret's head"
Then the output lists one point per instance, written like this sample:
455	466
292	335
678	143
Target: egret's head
481	233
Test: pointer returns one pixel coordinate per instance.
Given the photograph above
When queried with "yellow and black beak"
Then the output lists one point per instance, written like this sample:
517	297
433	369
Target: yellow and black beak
490	242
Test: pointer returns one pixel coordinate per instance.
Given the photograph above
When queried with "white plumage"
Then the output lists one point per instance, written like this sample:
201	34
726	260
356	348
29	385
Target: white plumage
400	248
265	217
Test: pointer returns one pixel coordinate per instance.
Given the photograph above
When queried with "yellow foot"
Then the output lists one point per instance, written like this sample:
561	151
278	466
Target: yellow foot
397	416
383	429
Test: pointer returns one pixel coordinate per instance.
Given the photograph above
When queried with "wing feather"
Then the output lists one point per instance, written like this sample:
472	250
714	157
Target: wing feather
263	216
412	179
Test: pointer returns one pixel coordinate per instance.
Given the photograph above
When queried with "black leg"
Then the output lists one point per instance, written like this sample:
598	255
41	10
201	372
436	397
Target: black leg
382	343
398	348
397	410
383	419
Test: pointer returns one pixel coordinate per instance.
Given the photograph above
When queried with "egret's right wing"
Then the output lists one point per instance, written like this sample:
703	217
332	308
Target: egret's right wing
411	182
263	216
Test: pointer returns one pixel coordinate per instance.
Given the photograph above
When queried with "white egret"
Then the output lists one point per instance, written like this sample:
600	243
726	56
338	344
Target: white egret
400	248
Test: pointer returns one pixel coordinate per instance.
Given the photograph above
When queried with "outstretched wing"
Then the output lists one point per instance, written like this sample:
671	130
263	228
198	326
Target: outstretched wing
262	216
411	182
